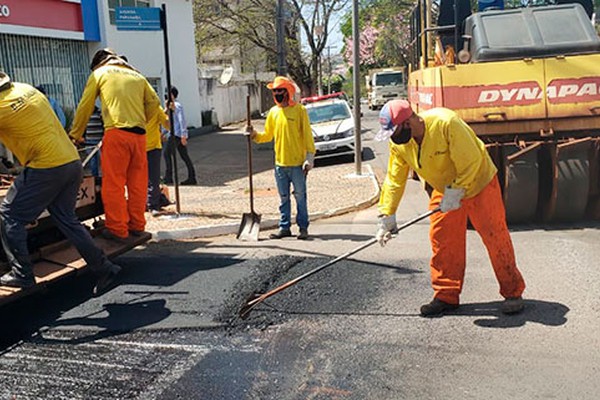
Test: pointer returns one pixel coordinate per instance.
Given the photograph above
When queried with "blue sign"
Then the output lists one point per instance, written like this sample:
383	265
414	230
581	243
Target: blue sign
491	5
137	18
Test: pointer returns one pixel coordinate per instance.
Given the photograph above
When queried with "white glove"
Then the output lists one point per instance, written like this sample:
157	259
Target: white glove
309	163
387	225
451	199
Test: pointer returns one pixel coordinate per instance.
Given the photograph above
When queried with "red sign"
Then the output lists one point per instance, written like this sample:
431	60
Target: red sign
48	14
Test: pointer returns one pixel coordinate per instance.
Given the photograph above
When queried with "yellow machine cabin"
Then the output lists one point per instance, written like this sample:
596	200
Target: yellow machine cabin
531	91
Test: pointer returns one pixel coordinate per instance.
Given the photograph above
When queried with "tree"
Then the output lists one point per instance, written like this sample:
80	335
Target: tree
252	23
384	33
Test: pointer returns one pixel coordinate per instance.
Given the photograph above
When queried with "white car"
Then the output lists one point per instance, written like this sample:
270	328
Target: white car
332	124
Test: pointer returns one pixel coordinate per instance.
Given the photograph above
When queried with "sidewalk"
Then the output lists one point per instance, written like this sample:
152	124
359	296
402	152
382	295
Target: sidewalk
215	206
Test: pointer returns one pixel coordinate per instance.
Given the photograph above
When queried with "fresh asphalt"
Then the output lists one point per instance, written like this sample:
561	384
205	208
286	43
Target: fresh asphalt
170	329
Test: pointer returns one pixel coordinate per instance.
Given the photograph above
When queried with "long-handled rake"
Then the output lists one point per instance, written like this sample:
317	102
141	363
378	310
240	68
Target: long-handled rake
250	304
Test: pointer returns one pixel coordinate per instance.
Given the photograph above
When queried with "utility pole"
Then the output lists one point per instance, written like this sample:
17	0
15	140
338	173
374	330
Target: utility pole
281	64
328	70
356	87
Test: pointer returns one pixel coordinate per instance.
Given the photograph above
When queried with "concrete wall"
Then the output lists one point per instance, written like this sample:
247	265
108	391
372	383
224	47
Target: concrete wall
145	50
229	101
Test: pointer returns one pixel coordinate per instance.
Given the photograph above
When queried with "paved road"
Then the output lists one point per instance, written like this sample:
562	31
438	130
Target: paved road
171	330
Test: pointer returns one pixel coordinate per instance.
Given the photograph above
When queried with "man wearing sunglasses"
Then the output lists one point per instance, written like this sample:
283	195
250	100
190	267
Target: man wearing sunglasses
288	125
445	152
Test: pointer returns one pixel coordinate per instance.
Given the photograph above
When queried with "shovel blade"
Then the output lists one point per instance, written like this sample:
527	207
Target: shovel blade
250	227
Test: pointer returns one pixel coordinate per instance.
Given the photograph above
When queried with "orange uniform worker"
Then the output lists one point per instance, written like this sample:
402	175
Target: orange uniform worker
128	103
445	152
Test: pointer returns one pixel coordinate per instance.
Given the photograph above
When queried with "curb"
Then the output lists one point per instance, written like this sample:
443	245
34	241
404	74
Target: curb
232	228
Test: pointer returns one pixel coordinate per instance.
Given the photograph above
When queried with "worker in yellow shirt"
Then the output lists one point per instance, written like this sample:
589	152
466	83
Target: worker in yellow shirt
51	179
288	124
445	152
153	153
128	104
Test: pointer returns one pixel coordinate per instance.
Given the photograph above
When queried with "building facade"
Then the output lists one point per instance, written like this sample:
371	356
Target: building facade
51	42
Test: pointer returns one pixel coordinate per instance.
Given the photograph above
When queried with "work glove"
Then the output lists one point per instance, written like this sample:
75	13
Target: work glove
386	226
451	199
309	163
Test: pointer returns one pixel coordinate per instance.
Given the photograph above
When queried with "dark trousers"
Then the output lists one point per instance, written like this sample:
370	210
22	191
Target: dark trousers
153	202
34	190
169	153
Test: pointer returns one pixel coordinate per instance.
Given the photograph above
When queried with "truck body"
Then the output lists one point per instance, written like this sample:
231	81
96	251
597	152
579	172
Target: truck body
531	92
53	256
385	84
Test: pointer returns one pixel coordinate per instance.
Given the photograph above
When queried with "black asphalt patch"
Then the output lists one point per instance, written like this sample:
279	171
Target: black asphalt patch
317	294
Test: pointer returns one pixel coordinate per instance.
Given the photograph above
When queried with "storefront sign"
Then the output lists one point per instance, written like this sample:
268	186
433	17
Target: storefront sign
137	18
4	11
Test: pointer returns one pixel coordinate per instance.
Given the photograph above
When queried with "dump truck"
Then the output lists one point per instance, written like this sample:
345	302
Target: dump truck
530	89
385	84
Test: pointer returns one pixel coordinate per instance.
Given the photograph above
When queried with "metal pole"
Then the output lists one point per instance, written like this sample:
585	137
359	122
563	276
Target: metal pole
328	71
172	145
356	88
456	26
280	28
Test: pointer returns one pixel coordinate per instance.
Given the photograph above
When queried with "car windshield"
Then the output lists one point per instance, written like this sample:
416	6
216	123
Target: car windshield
388	79
328	112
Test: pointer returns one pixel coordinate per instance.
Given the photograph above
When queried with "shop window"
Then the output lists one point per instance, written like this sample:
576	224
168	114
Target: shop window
112	4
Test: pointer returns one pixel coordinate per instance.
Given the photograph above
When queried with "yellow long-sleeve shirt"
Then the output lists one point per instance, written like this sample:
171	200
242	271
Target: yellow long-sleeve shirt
153	135
449	155
127	98
290	128
30	129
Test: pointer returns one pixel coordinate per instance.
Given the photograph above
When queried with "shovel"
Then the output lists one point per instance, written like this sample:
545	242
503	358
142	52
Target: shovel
95	149
250	225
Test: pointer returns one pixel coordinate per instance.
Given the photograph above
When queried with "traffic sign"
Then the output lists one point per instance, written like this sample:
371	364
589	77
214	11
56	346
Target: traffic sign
137	18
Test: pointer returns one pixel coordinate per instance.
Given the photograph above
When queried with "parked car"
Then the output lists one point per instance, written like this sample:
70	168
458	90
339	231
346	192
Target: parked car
332	124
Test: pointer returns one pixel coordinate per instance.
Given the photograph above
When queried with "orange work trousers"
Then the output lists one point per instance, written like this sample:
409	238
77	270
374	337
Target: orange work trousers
124	164
448	233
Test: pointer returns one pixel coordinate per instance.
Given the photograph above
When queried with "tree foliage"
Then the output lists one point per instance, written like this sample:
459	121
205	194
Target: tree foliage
384	30
384	33
252	23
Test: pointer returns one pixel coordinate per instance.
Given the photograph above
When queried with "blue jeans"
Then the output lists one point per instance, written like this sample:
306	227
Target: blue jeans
94	163
294	175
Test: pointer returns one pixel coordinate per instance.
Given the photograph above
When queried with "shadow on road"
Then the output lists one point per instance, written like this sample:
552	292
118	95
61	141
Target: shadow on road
541	312
116	311
121	318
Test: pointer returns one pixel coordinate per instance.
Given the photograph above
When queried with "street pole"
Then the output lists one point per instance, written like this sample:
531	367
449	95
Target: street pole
356	88
328	70
280	28
163	25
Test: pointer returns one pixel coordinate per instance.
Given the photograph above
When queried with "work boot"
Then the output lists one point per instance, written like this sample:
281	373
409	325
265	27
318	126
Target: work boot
303	235
13	280
106	278
107	234
512	305
436	308
281	233
136	233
